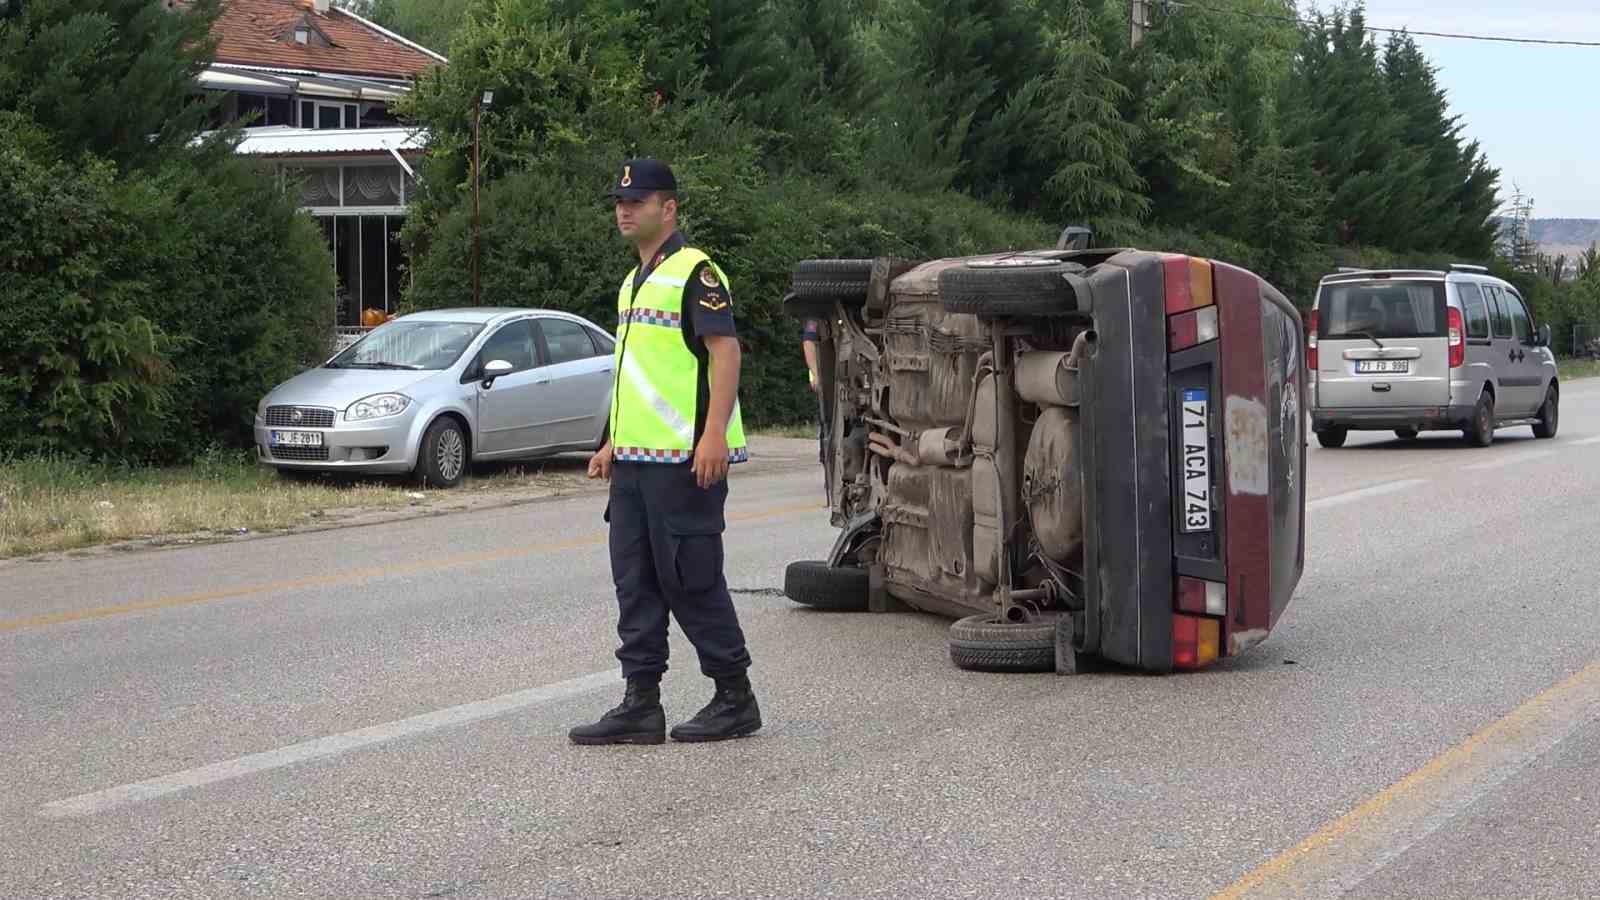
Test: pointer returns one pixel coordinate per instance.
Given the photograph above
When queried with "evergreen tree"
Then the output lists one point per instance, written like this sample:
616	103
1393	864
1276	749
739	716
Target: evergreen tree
959	78
1094	180
114	78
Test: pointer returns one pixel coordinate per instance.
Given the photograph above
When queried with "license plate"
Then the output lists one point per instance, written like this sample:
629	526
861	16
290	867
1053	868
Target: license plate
1196	502
297	439
1383	366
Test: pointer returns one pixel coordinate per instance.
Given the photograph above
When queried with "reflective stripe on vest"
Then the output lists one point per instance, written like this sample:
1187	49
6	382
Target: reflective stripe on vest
658	377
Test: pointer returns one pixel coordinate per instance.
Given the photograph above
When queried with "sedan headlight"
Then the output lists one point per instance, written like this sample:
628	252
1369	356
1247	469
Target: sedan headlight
376	407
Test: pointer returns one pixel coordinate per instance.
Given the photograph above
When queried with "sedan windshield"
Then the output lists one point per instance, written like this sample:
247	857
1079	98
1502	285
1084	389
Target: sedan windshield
408	345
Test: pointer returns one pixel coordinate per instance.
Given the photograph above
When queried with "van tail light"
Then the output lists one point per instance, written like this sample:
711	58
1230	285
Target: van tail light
1311	341
1458	344
1196	641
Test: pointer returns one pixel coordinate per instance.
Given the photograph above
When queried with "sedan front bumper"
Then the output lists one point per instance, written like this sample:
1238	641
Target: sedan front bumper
380	445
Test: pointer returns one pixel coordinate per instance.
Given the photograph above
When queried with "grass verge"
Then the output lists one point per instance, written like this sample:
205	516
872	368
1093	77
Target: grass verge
1578	368
55	504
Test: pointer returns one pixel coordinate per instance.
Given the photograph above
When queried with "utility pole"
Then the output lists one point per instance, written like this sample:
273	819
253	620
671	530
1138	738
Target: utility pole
1139	19
484	99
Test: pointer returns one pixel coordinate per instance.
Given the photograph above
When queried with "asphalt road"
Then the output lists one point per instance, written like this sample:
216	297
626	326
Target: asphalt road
381	712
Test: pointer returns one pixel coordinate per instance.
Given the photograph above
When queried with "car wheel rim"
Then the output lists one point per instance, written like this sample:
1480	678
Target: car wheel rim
450	454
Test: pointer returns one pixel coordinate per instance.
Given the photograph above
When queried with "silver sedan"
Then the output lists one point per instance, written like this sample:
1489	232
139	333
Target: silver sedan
431	392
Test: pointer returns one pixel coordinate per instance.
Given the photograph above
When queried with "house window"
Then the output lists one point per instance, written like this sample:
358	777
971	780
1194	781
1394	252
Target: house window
320	114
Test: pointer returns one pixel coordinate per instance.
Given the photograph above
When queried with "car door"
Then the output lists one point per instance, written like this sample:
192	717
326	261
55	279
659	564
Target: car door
1528	369
508	409
579	370
1480	356
1511	394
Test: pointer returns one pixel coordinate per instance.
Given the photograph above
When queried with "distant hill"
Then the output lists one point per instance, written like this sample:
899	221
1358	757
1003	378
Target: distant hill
1569	236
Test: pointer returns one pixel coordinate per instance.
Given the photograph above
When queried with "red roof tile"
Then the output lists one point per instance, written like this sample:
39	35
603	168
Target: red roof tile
261	33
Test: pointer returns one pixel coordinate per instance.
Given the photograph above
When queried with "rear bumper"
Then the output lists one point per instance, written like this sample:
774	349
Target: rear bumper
1383	419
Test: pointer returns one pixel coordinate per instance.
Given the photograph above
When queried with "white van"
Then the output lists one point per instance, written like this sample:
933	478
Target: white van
1417	350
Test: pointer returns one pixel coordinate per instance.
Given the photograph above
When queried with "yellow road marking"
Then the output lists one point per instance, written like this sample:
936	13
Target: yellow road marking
355	575
1276	877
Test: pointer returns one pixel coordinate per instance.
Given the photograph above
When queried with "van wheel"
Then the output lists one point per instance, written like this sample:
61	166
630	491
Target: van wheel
1406	434
442	458
984	643
816	584
1549	414
1481	432
1332	437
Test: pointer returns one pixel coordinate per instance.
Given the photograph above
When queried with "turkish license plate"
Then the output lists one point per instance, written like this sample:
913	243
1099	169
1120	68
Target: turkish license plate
1382	366
1196	501
297	439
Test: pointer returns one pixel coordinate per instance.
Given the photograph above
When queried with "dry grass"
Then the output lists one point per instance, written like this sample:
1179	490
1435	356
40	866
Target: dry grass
800	430
51	504
1578	368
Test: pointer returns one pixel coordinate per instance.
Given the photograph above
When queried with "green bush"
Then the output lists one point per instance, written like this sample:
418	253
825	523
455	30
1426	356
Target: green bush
146	313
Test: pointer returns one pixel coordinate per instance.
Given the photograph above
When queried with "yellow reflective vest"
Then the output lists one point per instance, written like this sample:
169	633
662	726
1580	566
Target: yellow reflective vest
655	399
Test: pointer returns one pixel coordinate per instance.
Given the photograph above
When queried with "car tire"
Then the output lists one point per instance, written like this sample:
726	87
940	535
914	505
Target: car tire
1549	413
984	643
814	583
1022	287
442	458
820	283
1333	438
1406	434
1480	431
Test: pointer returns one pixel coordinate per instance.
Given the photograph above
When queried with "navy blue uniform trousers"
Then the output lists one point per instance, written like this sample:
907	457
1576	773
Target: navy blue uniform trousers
666	557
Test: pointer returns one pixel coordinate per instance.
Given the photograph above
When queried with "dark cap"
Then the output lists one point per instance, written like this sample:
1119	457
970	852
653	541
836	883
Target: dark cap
639	178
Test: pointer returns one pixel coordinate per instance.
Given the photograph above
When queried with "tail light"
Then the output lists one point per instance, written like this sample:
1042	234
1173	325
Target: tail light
1458	344
1196	641
1202	597
1311	341
1189	329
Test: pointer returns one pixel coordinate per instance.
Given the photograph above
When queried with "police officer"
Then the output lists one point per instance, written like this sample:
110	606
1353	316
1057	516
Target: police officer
675	428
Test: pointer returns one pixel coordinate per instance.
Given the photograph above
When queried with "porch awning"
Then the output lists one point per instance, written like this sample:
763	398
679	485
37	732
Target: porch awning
288	141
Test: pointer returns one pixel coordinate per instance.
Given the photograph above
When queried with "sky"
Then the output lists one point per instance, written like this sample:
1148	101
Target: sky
1531	108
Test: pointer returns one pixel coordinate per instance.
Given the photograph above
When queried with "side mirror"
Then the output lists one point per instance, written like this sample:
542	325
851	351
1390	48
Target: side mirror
1074	237
1541	338
493	369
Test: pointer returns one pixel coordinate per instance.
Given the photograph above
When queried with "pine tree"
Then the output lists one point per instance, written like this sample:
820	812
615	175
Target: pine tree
959	77
1094	180
114	78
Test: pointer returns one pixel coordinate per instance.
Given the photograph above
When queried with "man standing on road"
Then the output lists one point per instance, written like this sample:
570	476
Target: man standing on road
675	428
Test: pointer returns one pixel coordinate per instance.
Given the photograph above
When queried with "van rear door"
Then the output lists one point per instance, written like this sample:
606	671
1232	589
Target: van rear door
1383	343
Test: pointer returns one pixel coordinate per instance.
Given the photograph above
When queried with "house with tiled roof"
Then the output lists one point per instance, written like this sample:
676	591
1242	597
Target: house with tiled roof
314	83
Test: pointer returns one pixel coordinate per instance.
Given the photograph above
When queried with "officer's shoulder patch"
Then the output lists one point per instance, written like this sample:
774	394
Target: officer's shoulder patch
714	302
708	277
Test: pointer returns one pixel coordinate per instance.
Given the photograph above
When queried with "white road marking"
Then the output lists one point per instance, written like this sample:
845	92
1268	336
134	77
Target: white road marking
333	745
1587	441
1377	490
1509	460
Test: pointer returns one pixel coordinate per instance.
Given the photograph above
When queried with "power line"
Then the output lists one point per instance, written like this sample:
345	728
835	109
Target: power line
1439	34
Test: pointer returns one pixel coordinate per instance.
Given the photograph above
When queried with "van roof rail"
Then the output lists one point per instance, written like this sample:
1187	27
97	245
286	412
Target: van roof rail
1351	269
1468	267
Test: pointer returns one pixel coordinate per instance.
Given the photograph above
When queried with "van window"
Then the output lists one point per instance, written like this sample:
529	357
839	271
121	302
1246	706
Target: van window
1382	309
1520	323
1477	311
1497	311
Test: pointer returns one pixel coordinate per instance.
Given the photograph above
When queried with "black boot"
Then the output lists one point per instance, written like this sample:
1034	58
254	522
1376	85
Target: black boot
639	719
731	713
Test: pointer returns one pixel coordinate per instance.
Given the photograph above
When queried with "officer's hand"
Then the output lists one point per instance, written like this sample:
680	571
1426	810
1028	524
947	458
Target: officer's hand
711	459
600	463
